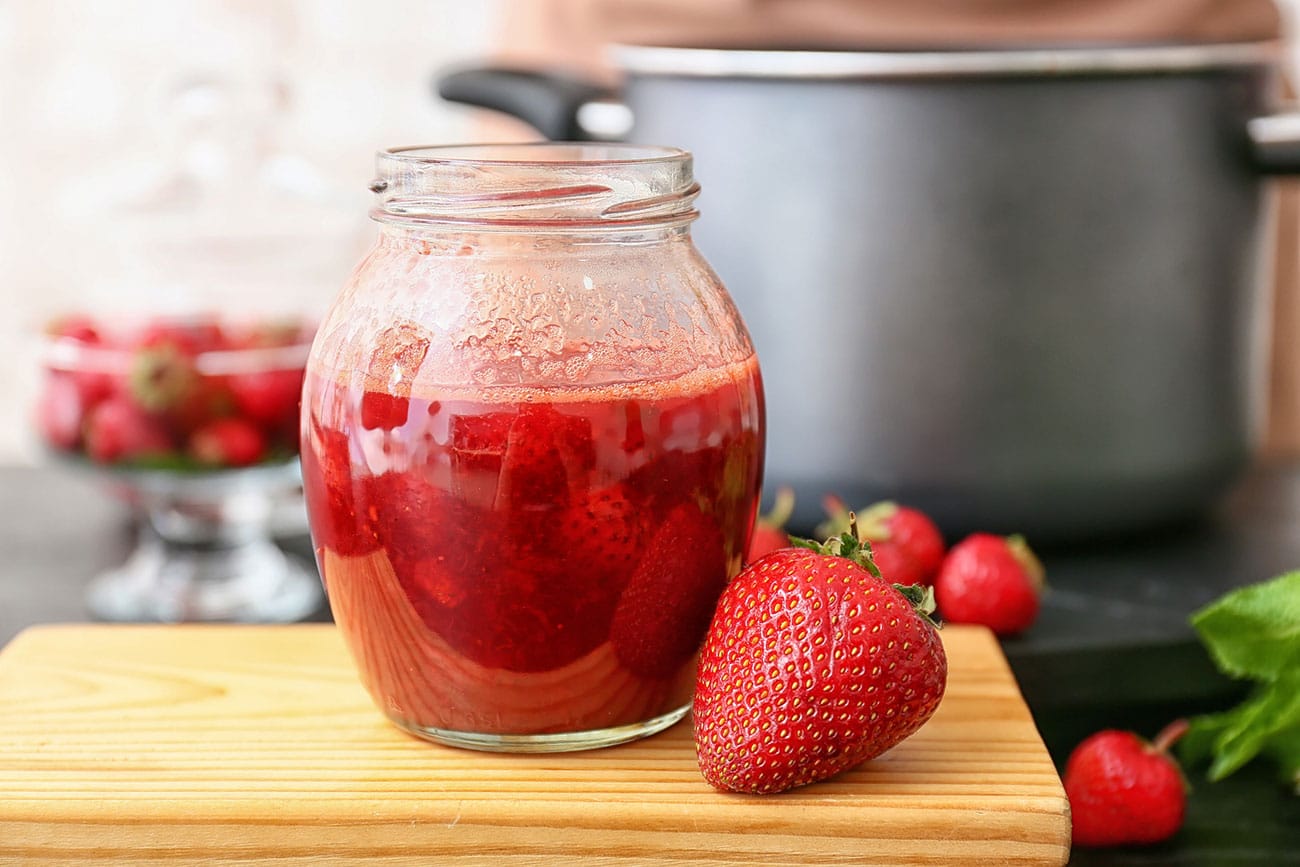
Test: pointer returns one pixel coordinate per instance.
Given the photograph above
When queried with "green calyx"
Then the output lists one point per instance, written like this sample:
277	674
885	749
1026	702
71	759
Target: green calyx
851	546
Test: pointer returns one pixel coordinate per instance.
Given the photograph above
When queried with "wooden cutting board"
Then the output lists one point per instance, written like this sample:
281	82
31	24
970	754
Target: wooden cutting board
256	744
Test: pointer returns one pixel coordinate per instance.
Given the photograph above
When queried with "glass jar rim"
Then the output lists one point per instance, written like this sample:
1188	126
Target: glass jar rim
536	186
538	153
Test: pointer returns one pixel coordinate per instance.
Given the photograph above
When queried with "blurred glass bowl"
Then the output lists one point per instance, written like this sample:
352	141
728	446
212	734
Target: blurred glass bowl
193	422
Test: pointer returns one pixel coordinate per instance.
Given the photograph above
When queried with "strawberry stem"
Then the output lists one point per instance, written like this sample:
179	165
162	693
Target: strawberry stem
1169	735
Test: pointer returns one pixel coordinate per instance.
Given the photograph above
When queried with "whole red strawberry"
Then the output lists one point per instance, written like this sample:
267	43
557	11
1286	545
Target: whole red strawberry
995	581
906	545
812	665
228	442
269	398
119	430
769	530
1123	790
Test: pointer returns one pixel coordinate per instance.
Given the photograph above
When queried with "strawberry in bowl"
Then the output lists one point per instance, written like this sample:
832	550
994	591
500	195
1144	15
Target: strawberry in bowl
194	421
173	394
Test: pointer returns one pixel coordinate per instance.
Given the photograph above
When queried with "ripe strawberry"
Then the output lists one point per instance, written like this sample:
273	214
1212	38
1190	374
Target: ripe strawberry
664	611
186	336
162	378
906	545
812	665
992	580
1123	790
75	326
60	411
769	530
118	430
228	442
268	398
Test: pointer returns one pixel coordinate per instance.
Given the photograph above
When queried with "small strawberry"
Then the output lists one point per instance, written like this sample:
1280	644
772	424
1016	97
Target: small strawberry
995	581
75	326
228	442
162	378
118	430
1125	791
268	398
187	336
664	611
906	545
812	665
769	530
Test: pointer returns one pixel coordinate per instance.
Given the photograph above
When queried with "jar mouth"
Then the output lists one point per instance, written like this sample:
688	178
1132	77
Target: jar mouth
570	154
565	186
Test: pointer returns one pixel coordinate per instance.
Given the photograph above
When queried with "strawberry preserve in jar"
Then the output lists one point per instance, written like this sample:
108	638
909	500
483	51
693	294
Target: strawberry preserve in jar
532	444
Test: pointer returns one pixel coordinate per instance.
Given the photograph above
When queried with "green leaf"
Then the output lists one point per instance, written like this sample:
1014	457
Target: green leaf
1273	709
1254	632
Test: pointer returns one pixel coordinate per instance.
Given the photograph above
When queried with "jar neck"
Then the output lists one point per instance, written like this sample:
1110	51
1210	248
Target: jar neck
576	190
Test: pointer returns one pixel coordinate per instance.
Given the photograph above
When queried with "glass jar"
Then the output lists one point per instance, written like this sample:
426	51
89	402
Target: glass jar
532	445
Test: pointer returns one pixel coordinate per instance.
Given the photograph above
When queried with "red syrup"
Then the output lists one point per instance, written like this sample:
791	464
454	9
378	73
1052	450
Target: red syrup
544	563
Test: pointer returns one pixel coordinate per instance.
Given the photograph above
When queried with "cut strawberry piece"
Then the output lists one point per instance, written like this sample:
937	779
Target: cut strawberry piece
665	609
118	430
340	515
381	411
228	442
548	456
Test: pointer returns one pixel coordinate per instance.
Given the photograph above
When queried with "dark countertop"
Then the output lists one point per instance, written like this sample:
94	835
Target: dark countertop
1112	648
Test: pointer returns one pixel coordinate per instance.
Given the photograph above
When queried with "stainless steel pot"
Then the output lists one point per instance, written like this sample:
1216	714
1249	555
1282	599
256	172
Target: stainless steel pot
1022	290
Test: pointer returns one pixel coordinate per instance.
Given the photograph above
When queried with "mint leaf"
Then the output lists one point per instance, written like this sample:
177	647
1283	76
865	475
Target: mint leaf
1254	632
1272	710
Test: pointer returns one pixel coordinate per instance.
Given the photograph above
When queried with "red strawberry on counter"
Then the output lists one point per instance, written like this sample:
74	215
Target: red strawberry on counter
228	442
665	608
991	580
906	545
769	530
812	665
1125	791
118	430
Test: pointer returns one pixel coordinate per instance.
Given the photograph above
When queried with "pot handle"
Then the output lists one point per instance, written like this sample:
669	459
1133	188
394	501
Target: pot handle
561	107
1276	142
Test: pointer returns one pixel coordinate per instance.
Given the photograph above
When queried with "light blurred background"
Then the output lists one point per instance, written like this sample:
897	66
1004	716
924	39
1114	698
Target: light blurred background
100	104
97	100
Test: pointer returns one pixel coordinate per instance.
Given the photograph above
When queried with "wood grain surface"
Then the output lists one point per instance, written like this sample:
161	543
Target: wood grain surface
256	744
